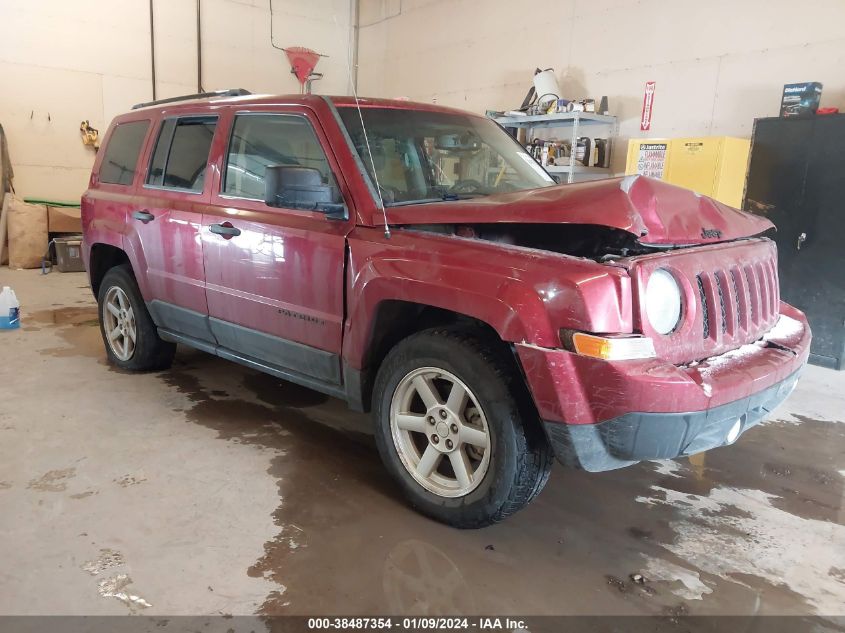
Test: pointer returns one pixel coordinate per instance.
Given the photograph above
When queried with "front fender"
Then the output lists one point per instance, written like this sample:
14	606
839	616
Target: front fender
525	295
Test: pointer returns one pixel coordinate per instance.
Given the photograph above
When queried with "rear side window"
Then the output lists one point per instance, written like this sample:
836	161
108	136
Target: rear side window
165	135
180	158
261	140
121	155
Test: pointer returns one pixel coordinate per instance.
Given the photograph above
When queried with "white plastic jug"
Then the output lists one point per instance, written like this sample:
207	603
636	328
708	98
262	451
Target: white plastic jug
10	310
546	86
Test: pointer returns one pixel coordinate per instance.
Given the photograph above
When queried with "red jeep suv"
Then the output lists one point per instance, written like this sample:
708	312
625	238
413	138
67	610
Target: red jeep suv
415	261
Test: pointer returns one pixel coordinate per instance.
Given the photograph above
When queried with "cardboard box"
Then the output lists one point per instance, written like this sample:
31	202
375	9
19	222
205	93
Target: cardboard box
800	100
27	234
64	219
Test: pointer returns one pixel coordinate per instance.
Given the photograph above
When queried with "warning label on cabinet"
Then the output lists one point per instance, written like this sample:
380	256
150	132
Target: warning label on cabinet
652	159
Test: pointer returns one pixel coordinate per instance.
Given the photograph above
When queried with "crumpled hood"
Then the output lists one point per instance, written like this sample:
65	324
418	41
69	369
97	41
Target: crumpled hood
656	212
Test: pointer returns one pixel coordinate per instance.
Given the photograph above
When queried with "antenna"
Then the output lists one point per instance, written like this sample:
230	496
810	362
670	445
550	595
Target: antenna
372	164
367	141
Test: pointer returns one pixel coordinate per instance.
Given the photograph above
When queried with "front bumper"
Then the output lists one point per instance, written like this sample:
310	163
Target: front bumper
634	437
601	415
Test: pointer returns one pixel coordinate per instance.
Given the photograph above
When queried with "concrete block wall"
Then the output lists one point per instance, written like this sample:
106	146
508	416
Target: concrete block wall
717	64
63	62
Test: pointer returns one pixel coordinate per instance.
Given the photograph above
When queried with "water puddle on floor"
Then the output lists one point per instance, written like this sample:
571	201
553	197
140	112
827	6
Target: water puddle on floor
65	315
77	326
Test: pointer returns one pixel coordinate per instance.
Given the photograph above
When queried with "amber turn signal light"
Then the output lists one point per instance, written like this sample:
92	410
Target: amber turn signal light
612	347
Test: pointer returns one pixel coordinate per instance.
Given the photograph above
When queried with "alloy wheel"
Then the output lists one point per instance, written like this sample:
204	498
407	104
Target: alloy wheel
440	432
119	323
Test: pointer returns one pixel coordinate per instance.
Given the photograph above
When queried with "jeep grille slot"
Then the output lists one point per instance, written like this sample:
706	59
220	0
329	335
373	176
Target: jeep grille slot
723	318
705	309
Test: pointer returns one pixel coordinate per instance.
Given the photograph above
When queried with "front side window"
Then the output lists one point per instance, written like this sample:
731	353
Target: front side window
263	140
422	156
180	158
121	154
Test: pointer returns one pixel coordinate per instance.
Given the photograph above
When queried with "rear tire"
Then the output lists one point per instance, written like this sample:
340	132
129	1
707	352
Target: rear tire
467	461
129	334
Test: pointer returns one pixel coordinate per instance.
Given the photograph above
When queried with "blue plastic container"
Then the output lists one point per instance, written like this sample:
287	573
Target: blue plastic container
10	310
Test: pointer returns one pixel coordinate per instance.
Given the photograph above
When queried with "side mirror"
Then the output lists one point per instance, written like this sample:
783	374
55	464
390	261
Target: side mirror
297	187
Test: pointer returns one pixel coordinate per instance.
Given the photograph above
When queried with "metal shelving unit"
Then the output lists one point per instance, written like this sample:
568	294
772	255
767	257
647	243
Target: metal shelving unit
575	121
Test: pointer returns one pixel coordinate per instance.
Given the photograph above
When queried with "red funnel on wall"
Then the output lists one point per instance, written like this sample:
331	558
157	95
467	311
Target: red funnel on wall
302	62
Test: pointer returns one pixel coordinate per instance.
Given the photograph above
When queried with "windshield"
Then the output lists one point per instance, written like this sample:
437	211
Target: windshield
433	156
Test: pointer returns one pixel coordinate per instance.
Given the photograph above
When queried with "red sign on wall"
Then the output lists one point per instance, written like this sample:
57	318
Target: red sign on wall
648	106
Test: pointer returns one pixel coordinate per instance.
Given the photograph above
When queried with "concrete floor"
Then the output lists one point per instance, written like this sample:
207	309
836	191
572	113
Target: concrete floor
212	489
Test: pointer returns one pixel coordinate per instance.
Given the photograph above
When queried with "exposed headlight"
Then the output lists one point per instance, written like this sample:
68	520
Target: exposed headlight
663	301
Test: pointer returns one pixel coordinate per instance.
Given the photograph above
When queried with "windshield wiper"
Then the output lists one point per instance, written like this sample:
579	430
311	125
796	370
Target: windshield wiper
446	192
463	196
403	203
446	197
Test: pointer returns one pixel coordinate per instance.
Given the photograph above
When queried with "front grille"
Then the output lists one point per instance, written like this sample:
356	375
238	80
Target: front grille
741	300
730	297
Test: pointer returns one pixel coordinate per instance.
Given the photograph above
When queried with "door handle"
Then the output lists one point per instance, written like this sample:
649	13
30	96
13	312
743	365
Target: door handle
144	216
801	239
226	230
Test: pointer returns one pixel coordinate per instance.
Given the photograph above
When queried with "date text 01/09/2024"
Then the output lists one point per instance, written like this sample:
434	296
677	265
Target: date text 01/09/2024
417	623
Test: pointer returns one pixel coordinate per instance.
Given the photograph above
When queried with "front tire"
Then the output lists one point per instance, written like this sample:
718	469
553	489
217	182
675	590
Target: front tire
455	429
129	334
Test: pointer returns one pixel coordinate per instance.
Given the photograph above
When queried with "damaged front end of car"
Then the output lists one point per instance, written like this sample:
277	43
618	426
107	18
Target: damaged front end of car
706	348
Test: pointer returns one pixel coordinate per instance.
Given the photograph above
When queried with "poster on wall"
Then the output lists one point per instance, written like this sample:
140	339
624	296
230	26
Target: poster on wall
652	159
648	106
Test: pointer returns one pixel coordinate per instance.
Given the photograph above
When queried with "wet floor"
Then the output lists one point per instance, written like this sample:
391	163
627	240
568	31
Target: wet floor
345	534
250	495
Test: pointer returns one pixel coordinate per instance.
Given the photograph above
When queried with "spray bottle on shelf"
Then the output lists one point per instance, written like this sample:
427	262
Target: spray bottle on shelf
10	309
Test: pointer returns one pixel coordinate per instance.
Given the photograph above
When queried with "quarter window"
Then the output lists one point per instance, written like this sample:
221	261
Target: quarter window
180	158
261	140
121	155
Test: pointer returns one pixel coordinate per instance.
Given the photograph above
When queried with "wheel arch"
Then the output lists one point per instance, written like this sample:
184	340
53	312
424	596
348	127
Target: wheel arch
103	258
394	320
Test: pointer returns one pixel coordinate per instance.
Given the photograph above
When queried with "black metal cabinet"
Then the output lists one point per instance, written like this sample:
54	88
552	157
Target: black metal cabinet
796	178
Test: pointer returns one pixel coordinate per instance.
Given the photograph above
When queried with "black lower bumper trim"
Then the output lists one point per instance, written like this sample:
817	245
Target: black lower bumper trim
635	437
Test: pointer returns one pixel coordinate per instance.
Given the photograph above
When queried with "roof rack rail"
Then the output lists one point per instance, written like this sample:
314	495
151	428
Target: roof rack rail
232	92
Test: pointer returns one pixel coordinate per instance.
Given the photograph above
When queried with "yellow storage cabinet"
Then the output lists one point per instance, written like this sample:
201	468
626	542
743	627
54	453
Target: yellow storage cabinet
714	166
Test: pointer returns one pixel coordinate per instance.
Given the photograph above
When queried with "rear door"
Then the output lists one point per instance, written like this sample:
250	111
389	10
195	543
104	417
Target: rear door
275	276
107	204
165	224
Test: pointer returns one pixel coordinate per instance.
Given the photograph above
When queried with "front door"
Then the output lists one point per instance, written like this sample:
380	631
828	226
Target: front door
275	276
